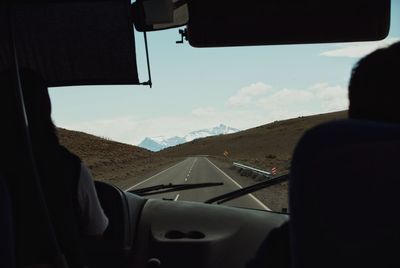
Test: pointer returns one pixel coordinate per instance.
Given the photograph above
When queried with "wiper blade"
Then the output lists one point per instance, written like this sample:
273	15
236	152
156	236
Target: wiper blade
247	190
166	188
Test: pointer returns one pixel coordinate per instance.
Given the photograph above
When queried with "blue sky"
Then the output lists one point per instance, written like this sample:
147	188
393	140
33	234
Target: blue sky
193	88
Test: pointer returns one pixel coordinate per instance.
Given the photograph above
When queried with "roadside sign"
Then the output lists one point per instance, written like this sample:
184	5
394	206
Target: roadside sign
226	153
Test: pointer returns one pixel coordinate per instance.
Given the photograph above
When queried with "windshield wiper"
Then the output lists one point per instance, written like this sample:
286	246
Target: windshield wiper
247	190
166	188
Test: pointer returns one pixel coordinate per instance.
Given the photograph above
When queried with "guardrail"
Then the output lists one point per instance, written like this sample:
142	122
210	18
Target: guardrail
252	169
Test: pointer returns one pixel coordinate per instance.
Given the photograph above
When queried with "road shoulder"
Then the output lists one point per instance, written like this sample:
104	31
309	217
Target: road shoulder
274	197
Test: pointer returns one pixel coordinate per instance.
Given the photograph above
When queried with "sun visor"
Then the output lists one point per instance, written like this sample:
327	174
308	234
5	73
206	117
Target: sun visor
72	43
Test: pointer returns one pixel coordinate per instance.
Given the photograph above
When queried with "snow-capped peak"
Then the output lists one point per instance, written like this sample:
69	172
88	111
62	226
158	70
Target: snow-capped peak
160	142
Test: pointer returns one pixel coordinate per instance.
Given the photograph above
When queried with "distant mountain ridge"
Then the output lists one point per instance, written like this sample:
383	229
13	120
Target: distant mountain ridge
156	144
264	147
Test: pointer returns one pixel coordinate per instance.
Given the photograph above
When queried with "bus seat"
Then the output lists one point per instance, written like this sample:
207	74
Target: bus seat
344	196
7	256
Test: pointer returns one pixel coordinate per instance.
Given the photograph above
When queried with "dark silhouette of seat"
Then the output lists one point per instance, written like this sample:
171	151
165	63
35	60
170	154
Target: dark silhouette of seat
35	240
7	256
344	196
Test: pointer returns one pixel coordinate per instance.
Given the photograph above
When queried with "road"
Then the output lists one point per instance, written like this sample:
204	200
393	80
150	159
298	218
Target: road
199	170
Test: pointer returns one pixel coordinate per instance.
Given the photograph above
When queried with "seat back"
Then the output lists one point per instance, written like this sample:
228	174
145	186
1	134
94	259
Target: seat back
7	256
344	195
35	241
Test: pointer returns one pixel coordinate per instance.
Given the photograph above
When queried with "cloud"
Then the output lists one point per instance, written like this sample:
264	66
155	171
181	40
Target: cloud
286	103
332	98
204	111
247	94
358	49
120	129
285	97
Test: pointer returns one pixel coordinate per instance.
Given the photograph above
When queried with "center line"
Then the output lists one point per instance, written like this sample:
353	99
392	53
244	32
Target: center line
190	169
176	197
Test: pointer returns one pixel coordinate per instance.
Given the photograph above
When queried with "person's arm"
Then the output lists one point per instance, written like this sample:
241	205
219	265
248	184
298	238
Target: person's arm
93	221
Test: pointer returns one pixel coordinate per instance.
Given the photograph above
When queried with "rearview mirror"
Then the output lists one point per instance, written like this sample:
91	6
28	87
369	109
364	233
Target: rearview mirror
155	15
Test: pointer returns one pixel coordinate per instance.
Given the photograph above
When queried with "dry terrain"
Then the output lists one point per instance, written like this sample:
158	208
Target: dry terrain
263	147
110	161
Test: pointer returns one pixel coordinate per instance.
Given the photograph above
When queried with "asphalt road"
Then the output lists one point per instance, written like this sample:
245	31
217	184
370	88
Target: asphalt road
198	170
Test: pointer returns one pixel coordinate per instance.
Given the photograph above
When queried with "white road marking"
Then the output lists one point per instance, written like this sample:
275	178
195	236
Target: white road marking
130	188
176	197
238	185
190	170
194	162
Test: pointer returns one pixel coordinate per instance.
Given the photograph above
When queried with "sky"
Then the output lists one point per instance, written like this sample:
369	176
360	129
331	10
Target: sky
196	88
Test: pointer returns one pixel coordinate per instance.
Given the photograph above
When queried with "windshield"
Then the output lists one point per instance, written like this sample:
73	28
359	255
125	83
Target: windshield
208	109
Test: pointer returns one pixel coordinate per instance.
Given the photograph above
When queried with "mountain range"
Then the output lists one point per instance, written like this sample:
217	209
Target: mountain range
156	144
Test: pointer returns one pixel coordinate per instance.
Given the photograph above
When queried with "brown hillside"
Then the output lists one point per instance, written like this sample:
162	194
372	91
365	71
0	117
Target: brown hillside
264	146
109	161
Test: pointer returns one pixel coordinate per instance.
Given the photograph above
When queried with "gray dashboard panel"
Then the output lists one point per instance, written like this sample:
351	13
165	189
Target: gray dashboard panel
190	234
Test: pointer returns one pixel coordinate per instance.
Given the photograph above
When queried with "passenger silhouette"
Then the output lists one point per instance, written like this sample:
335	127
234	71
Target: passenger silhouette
67	184
374	86
47	149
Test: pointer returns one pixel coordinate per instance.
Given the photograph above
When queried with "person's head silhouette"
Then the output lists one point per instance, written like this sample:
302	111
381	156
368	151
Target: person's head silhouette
38	108
374	87
36	101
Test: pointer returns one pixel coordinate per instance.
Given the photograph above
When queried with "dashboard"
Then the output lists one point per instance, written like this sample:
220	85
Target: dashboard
165	233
